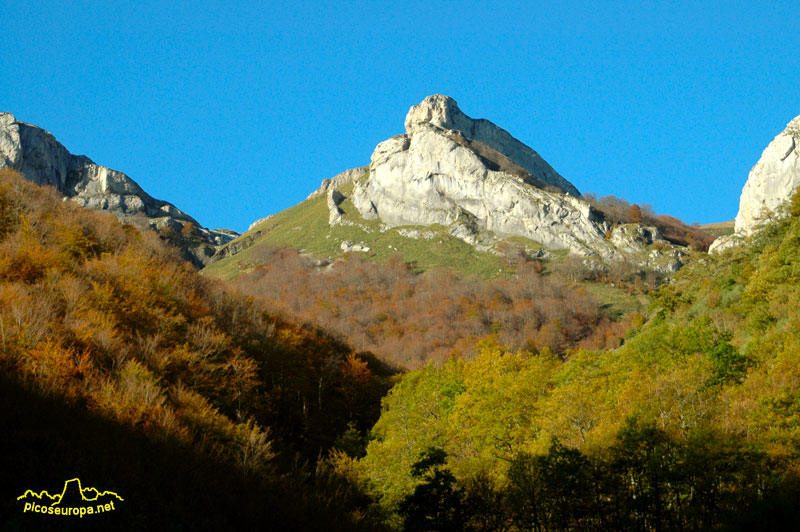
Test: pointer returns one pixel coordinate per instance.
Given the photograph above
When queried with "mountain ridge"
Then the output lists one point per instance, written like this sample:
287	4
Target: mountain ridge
462	179
443	112
42	159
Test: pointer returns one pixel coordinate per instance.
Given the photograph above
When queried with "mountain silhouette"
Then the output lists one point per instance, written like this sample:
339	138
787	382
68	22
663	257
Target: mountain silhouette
72	495
43	496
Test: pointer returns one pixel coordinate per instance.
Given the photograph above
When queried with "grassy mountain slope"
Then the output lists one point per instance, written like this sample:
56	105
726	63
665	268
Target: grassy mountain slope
102	323
305	226
406	317
719	229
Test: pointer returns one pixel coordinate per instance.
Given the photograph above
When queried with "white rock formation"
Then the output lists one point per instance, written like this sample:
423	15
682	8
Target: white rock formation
724	242
334	212
259	222
432	175
348	246
483	185
427	178
632	237
771	182
42	159
443	113
339	180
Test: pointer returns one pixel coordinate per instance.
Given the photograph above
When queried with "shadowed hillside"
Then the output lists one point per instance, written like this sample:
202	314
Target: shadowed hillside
105	323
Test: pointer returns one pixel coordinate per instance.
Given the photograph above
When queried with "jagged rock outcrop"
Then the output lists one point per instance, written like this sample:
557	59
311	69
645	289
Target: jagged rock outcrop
771	182
434	174
483	185
334	212
36	154
428	178
241	243
339	180
632	237
348	246
475	181
442	112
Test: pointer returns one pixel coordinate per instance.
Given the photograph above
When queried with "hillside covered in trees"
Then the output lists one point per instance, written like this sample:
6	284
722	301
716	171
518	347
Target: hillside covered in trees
692	424
413	300
619	211
408	319
122	365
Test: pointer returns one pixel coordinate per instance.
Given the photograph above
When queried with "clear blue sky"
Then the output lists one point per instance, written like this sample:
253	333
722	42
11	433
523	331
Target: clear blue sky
236	110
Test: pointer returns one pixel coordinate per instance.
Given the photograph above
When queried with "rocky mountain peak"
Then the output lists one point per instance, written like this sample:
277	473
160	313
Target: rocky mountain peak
37	155
772	180
442	113
794	127
473	178
437	110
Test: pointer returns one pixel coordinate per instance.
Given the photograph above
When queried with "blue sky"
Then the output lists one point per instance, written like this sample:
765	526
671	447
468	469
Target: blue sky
236	110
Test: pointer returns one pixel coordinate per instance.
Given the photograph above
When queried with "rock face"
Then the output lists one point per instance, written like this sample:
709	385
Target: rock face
428	178
471	175
339	180
483	185
450	174
771	182
442	113
334	212
42	159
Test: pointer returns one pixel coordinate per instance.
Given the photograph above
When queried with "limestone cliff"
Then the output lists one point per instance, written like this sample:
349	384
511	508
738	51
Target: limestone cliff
484	185
771	182
473	176
42	159
442	113
430	177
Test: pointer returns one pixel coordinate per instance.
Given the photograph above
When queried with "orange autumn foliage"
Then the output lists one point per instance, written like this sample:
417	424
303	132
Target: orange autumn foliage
408	319
98	313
